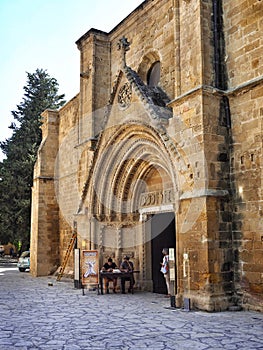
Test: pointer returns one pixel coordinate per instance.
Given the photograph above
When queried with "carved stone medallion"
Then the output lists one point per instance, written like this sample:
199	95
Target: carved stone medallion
124	96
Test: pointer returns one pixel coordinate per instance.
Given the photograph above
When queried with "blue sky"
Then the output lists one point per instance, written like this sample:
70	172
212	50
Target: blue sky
42	34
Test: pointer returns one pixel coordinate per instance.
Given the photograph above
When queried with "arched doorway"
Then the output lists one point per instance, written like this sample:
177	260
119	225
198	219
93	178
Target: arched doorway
134	182
163	236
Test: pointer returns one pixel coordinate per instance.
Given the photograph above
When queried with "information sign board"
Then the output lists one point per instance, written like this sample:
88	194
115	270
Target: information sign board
90	267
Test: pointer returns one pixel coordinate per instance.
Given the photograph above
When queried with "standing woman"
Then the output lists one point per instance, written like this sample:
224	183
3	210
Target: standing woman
165	269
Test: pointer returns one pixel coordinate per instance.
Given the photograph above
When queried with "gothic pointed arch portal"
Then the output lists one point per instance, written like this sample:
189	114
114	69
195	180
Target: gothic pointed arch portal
133	172
133	178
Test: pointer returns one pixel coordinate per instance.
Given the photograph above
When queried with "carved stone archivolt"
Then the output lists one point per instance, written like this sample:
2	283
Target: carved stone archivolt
124	96
137	153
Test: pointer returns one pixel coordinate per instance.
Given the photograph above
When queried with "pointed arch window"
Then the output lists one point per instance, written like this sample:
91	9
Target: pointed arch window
153	75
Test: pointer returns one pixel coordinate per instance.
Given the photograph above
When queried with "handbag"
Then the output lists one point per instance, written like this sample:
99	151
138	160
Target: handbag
164	269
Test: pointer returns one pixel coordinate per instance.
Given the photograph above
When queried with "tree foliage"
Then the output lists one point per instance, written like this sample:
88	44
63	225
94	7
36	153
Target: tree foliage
16	170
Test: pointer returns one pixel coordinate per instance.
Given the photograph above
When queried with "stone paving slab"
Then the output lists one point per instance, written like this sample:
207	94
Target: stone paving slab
35	315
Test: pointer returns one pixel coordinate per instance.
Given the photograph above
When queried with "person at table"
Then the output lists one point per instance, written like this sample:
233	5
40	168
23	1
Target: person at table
108	267
127	266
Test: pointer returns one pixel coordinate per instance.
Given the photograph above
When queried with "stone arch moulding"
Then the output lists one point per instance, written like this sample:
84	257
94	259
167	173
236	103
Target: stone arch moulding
146	63
132	154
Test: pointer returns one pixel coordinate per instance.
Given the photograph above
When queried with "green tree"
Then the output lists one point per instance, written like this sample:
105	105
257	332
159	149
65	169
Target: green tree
16	170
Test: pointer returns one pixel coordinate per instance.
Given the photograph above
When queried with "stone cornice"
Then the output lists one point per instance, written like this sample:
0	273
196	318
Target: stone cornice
242	88
49	178
205	192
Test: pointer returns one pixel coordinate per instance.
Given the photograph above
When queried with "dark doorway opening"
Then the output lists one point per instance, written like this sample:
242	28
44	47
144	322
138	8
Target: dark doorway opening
163	236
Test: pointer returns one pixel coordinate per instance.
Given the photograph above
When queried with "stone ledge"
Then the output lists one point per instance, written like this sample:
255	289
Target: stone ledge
204	193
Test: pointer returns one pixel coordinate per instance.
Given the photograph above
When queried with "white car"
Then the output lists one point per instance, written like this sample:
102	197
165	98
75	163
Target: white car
24	261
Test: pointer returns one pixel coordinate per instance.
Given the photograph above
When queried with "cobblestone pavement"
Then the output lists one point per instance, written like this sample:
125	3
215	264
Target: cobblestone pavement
35	315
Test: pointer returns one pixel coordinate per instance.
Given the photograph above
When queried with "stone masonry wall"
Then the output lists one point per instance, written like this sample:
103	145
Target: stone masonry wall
243	24
66	172
247	184
152	36
44	221
243	21
95	81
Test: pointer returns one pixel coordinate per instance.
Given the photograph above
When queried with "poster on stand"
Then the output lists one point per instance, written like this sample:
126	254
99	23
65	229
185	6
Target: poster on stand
90	267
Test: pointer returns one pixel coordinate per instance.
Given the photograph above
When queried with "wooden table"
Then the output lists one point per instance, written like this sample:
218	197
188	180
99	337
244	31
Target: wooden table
112	275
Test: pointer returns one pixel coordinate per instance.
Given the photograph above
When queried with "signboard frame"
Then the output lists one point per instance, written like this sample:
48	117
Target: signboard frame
90	267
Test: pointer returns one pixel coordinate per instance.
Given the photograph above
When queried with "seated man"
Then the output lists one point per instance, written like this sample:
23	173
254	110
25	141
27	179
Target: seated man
109	266
127	266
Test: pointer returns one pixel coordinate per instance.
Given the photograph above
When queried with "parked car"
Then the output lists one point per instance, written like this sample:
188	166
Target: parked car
2	250
24	261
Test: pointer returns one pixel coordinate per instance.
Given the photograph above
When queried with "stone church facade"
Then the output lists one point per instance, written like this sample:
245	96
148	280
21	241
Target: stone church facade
162	147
